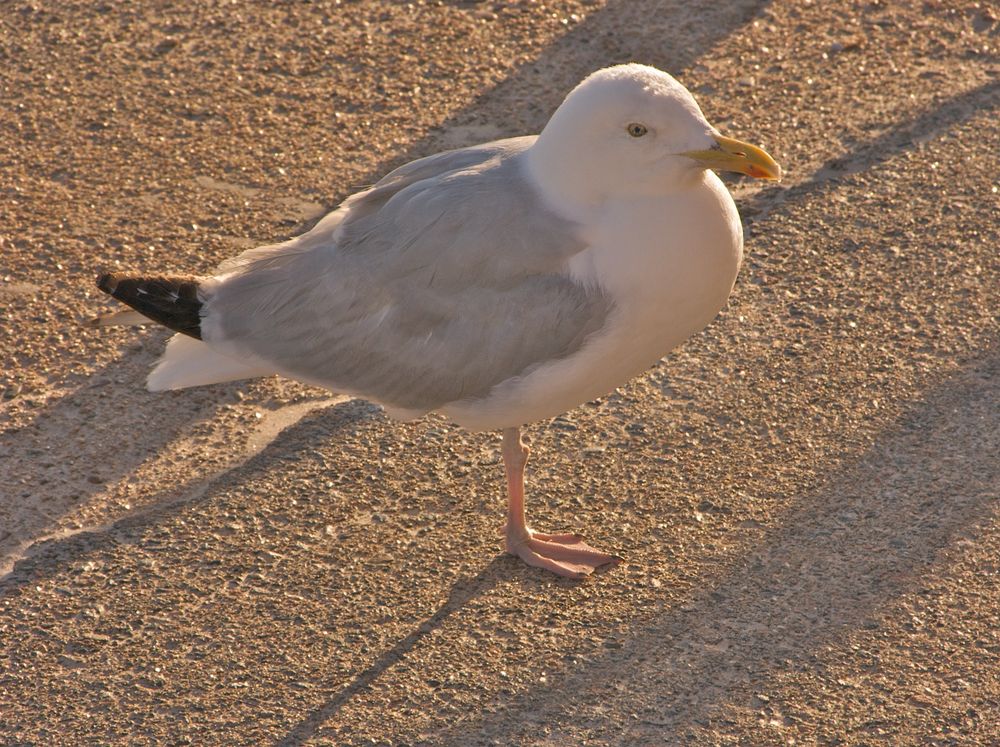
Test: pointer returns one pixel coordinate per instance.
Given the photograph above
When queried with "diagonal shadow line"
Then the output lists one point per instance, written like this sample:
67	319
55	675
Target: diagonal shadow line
462	593
798	588
49	556
662	33
905	136
34	465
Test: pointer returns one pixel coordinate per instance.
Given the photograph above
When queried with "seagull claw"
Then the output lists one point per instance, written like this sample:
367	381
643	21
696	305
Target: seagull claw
563	554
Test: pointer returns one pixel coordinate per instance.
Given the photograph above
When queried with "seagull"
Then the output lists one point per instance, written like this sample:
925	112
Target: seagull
499	284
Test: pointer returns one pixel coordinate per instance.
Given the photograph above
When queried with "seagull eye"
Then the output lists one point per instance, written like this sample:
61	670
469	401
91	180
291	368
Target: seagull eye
637	130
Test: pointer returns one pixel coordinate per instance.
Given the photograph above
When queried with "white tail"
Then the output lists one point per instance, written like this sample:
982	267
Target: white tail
125	318
190	362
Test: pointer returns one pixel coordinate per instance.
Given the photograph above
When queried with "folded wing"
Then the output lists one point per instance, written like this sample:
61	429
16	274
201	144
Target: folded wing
430	288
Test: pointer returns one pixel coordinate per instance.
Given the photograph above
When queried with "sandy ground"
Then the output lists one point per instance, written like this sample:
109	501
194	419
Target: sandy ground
806	494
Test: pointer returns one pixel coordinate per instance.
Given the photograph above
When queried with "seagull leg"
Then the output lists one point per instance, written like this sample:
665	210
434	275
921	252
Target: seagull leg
564	554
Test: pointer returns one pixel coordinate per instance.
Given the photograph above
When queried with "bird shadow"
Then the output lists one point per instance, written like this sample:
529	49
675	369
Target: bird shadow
830	567
47	557
78	446
462	592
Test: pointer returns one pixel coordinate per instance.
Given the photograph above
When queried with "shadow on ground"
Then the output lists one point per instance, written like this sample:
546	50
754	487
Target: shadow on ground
831	565
48	557
901	137
812	578
59	461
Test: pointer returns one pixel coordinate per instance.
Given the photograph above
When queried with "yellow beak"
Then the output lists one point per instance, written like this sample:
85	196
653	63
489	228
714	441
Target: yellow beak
735	155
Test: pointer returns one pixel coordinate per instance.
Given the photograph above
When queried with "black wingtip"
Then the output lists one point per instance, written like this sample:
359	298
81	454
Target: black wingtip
107	282
171	301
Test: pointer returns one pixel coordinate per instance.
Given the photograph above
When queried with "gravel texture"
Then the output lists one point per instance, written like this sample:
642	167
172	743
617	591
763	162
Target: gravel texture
806	494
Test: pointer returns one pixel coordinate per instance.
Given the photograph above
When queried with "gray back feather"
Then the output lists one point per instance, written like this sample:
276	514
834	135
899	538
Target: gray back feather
443	280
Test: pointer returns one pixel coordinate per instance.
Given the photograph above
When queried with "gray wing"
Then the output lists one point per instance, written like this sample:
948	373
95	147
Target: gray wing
445	279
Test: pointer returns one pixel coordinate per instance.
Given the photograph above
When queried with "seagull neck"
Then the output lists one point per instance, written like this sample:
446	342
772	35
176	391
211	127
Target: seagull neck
564	190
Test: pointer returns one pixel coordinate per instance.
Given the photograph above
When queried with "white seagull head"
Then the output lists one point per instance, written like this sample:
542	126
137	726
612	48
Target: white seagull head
632	130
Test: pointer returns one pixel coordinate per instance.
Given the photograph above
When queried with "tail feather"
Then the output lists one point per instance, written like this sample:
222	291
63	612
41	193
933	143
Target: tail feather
189	362
170	300
124	318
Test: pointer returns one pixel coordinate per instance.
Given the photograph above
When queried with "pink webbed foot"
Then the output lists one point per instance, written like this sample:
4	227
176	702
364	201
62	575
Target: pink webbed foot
564	554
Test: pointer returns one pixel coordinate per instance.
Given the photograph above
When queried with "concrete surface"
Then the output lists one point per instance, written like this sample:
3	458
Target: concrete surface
806	494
